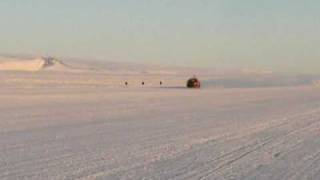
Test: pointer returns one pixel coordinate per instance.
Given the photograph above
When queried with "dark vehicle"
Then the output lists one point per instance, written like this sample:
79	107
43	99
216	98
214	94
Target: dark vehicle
193	83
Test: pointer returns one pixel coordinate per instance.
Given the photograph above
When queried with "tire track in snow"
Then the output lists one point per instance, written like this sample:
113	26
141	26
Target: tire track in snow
262	145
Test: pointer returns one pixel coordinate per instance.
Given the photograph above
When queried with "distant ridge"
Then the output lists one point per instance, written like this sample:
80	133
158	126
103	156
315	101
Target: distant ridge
32	65
29	63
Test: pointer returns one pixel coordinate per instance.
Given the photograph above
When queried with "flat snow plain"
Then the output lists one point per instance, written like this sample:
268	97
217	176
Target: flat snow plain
101	132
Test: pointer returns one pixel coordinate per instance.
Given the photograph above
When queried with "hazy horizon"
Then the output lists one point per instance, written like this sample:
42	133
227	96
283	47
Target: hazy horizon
272	35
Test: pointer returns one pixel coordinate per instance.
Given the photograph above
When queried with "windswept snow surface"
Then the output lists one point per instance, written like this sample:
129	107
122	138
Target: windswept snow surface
85	129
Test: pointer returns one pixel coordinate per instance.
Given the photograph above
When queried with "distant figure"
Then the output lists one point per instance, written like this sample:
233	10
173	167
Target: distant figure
126	83
160	83
142	83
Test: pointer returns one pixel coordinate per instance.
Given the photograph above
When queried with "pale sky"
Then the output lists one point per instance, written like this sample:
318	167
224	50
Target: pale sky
281	35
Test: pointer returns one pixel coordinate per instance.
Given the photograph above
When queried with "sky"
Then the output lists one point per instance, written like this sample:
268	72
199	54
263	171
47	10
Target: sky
279	35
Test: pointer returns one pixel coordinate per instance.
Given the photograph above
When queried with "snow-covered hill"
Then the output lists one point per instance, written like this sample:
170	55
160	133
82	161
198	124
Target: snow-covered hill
32	65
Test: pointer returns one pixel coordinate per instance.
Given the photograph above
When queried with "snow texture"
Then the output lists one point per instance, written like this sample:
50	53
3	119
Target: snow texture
57	125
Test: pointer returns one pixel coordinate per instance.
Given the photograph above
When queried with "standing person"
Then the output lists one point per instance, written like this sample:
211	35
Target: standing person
160	83
126	83
142	83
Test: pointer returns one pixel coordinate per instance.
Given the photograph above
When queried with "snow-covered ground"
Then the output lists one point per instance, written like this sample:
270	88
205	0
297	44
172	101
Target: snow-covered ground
56	125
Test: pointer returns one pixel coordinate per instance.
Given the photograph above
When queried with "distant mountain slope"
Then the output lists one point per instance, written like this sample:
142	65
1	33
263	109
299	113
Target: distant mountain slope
29	64
32	65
